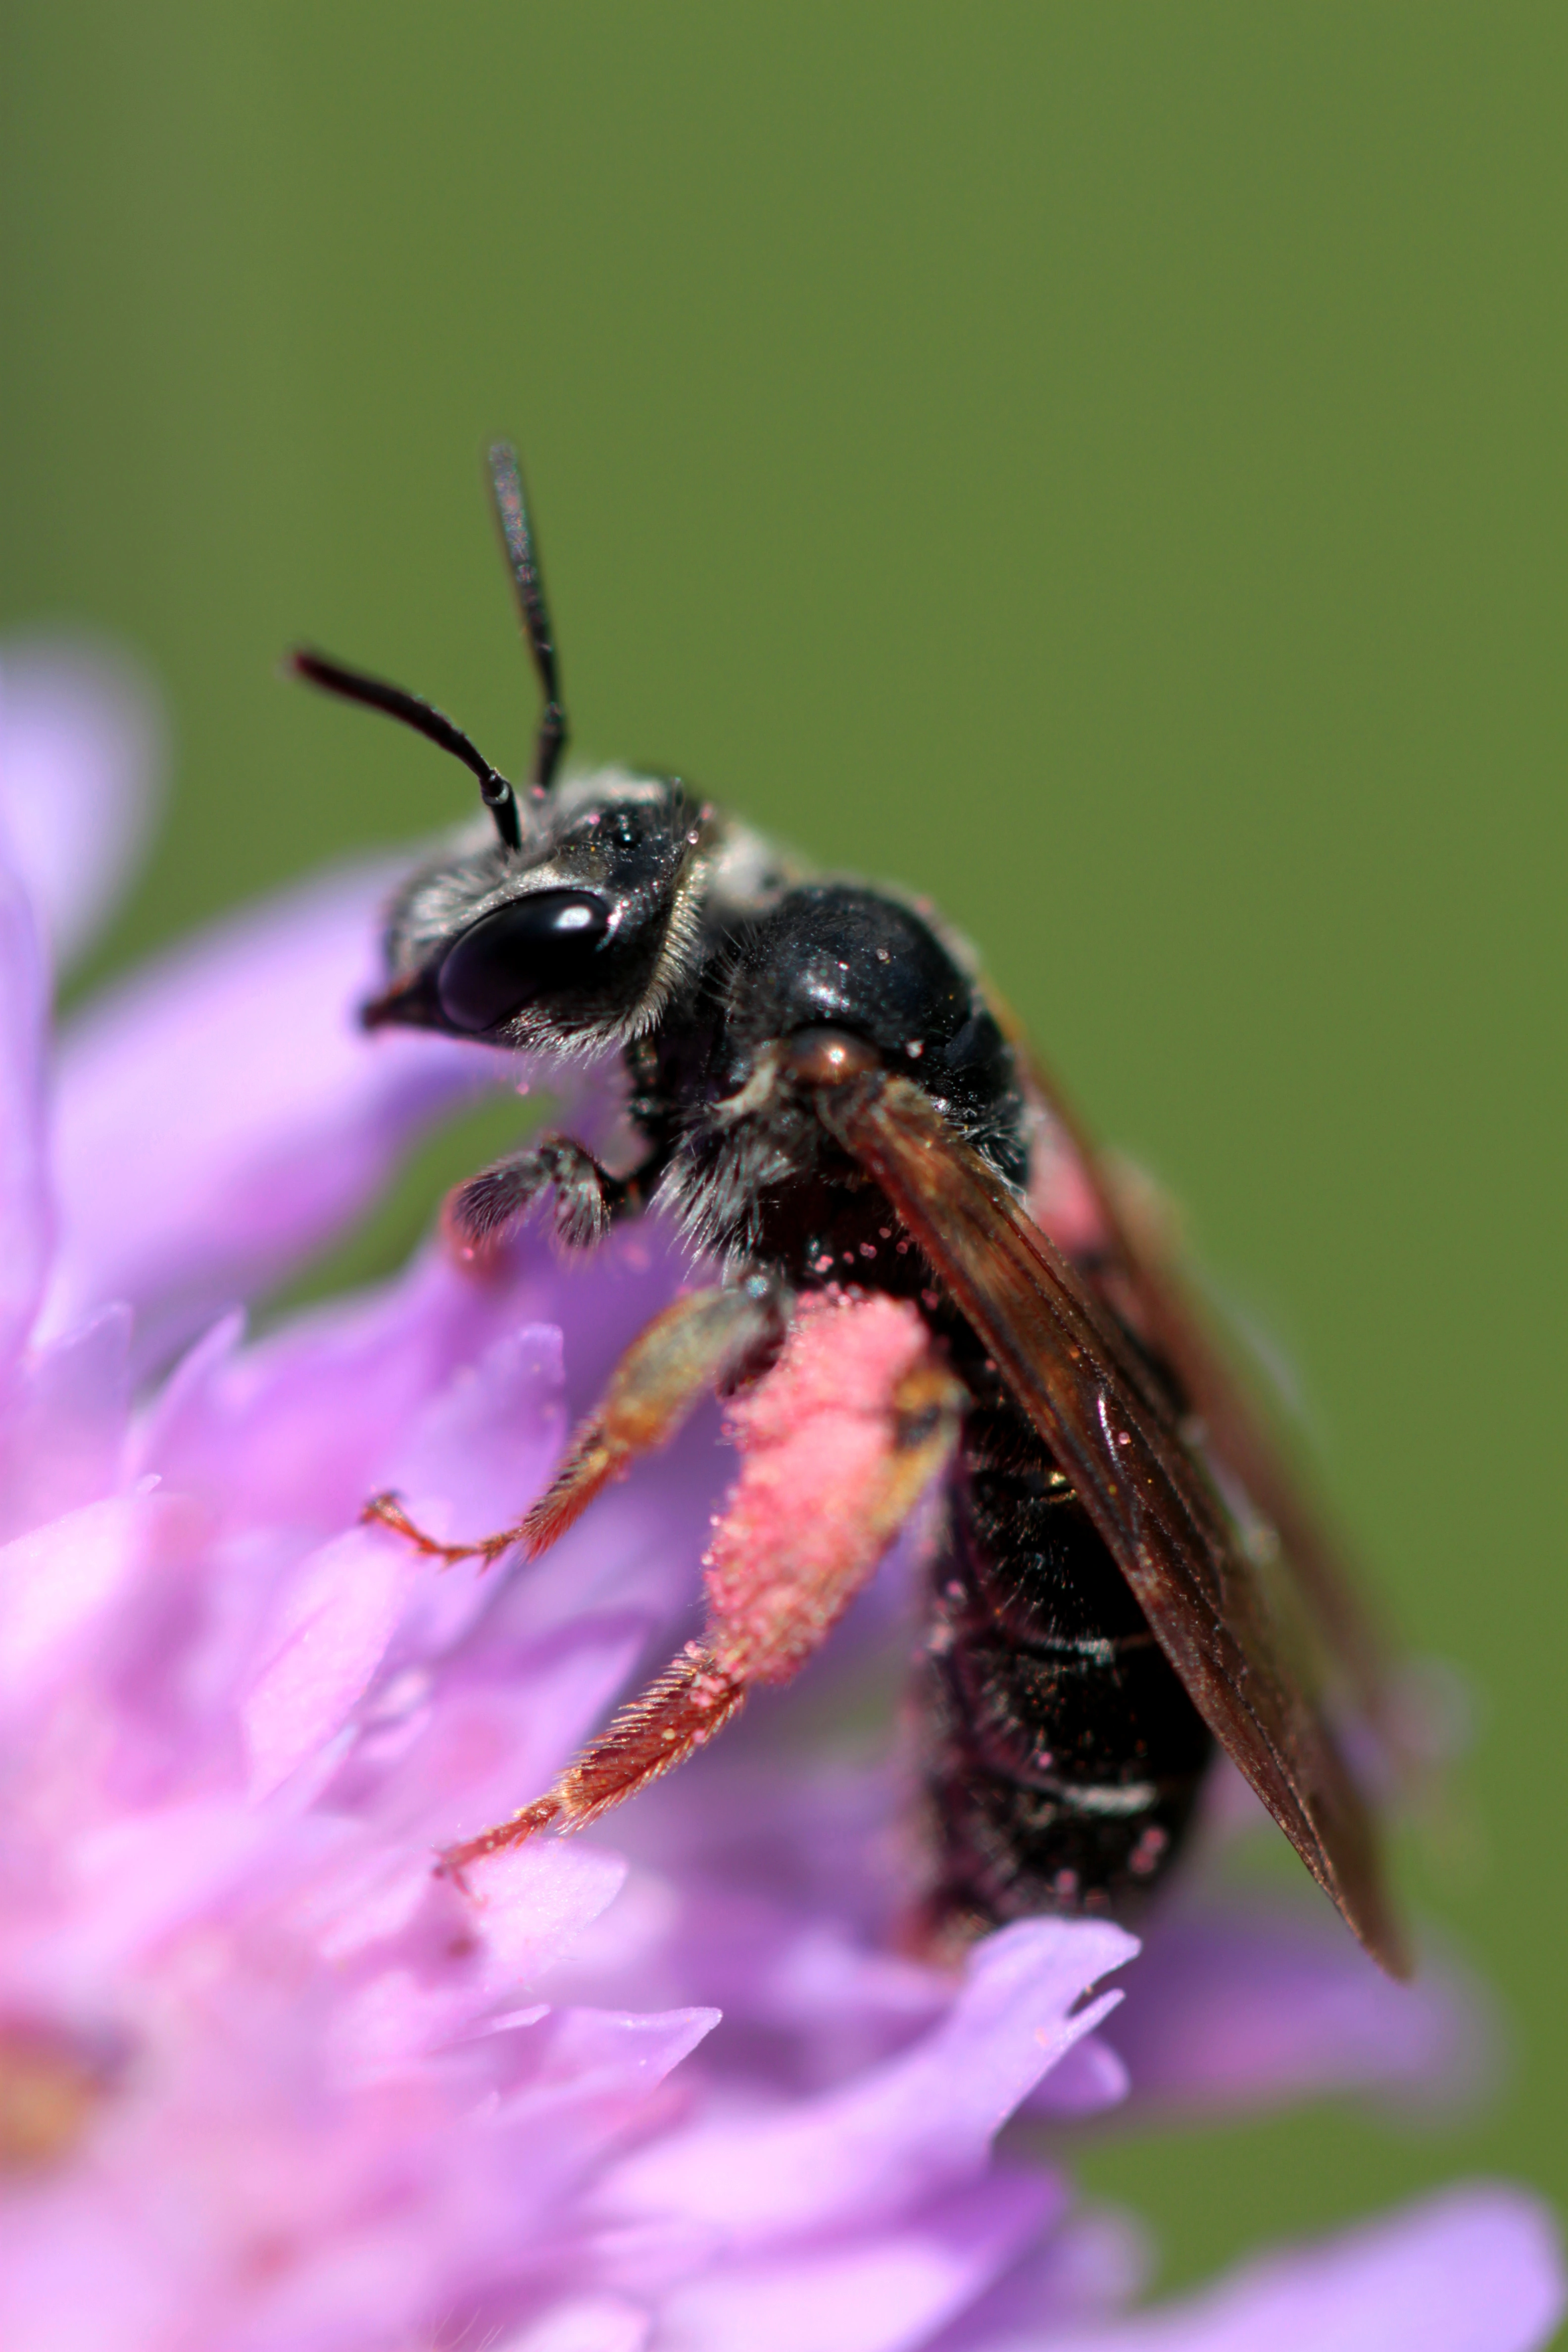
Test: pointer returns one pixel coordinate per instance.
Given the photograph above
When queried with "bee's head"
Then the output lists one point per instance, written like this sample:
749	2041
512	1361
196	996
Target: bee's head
571	942
565	928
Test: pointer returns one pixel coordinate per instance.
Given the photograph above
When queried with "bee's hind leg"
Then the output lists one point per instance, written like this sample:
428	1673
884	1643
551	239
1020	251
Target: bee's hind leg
679	1713
706	1340
839	1441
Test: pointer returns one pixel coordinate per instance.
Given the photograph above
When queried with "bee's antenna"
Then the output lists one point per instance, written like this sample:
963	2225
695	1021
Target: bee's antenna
511	513
354	686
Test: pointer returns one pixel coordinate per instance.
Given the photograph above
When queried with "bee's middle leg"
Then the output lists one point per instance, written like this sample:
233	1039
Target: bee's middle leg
706	1340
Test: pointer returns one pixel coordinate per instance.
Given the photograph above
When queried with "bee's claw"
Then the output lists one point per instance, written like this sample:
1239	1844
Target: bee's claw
386	1510
453	1862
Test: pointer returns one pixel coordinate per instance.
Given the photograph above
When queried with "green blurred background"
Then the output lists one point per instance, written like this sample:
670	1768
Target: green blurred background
1100	464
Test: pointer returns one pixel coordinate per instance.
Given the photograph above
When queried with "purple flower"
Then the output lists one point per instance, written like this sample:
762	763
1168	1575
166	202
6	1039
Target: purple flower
267	2085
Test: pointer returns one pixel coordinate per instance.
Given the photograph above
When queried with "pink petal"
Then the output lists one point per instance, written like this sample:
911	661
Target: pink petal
63	1424
332	1626
613	2061
26	1215
879	2293
52	2300
435	1967
473	1460
1089	2078
1473	2270
1093	2262
58	1584
447	1388
220	1116
292	1430
594	2322
81	756
492	1736
905	2127
481	1446
149	1875
1241	2007
529	1905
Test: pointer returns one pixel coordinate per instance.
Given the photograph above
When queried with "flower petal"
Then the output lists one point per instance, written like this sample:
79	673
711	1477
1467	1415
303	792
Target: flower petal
221	1115
880	2292
1089	2078
58	1583
306	1423
1090	2265
63	1423
1477	2269
594	2322
1243	2006
338	1617
919	2122
26	1214
532	1901
81	762
145	1878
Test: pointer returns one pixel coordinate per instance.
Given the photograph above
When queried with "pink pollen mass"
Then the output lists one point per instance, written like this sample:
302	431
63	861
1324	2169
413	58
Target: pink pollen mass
822	1488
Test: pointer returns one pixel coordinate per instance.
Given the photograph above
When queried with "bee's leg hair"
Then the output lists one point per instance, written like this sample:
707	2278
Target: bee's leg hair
691	1700
588	1199
785	1564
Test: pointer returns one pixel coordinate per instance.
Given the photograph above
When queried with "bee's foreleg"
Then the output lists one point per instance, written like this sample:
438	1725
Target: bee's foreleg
588	1199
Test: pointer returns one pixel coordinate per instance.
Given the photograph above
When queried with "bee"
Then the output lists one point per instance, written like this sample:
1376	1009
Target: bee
834	1111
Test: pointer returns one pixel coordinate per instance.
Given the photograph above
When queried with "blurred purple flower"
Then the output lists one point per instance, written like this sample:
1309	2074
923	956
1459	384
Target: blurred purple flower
266	2084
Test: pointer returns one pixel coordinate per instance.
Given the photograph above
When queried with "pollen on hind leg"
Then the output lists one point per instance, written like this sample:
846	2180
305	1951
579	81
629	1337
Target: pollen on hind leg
838	1442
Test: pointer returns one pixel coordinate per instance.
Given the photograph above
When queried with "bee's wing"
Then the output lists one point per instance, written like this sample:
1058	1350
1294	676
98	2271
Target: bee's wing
1114	1434
1143	1273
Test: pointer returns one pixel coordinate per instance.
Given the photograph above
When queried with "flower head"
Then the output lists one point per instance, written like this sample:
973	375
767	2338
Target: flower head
270	2084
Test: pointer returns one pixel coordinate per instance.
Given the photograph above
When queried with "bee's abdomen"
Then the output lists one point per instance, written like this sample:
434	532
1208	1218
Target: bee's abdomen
1063	1757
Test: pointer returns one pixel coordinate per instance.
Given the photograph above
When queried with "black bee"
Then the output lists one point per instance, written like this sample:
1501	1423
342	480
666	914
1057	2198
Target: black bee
824	1094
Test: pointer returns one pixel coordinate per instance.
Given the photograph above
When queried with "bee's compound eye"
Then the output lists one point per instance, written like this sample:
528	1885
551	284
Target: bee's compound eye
524	950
